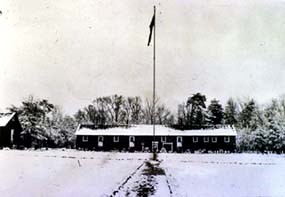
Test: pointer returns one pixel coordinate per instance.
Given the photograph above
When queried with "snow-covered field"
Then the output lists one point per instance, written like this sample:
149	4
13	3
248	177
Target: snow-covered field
225	174
78	173
64	173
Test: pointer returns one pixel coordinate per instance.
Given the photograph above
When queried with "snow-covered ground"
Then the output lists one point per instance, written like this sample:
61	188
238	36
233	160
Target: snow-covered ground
225	174
65	173
79	173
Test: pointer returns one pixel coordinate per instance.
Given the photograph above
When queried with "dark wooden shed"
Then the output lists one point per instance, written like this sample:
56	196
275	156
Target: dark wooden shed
10	130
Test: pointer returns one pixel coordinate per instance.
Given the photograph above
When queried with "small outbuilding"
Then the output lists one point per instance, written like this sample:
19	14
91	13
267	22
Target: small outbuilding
142	138
10	130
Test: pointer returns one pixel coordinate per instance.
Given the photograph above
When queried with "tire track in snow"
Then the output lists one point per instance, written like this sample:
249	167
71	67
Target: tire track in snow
228	162
126	180
167	180
107	158
169	185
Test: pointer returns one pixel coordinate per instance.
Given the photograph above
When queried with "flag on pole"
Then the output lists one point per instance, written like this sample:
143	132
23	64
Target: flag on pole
151	26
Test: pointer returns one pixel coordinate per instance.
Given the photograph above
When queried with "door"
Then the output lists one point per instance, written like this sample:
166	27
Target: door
168	146
154	146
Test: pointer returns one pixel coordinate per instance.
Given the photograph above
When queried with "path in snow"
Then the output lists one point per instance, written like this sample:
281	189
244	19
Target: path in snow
149	179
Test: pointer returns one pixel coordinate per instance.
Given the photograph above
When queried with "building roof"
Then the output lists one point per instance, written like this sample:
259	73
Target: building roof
5	118
160	130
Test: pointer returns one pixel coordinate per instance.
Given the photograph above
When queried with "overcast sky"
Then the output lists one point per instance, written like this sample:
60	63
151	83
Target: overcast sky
71	52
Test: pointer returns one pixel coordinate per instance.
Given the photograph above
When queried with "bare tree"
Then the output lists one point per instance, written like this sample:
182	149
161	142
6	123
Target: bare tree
136	109
126	107
163	115
148	111
182	114
116	106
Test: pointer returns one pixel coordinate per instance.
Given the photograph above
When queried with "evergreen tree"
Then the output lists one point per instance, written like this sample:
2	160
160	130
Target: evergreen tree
34	118
196	105
231	112
249	116
62	128
215	112
80	116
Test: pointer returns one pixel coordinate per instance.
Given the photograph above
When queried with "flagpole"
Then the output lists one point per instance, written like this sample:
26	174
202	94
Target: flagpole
153	112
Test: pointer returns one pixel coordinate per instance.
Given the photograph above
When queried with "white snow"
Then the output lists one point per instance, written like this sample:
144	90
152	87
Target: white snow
79	173
225	174
147	130
5	118
58	173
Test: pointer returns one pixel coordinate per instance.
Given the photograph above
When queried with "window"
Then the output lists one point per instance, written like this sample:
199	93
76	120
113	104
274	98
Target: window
85	139
227	139
132	138
163	138
131	141
206	139
12	135
195	139
116	139
100	139
214	139
179	139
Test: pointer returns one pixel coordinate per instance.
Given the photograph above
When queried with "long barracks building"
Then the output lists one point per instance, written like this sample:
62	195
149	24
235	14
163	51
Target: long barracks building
140	138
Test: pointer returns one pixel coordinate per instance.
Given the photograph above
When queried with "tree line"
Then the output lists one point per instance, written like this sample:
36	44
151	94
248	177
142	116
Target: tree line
260	127
118	110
